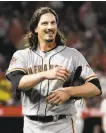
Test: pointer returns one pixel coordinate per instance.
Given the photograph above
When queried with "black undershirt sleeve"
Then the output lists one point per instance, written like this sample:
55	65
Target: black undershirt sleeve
96	83
14	77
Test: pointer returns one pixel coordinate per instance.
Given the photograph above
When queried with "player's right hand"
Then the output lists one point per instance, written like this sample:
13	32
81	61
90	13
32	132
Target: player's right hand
57	73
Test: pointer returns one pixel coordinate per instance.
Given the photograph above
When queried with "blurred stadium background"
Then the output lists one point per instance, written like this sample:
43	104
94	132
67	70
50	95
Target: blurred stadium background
84	24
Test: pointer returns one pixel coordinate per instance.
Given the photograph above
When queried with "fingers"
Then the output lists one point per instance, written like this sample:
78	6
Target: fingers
58	96
61	76
52	95
57	101
63	70
62	73
52	98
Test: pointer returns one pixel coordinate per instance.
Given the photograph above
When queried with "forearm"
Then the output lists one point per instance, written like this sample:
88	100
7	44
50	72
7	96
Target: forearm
86	90
29	81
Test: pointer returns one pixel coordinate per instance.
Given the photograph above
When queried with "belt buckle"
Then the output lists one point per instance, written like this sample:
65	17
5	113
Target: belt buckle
55	118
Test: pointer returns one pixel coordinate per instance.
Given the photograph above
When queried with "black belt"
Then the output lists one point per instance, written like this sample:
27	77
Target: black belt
45	119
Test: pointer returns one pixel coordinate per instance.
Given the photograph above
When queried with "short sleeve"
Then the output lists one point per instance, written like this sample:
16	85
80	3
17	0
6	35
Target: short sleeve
87	73
17	62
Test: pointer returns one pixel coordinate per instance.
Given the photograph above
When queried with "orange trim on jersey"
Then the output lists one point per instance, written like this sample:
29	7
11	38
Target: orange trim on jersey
16	69
73	131
90	77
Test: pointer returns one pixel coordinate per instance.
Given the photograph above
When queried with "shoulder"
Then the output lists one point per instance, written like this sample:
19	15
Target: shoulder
21	52
72	51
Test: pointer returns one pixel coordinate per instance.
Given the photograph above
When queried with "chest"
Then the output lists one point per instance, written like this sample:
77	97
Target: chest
37	63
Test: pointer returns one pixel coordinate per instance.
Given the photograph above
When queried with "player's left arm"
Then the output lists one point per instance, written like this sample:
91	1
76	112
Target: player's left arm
88	89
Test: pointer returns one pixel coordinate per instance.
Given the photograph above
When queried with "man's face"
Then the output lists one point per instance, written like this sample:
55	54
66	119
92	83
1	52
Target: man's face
47	28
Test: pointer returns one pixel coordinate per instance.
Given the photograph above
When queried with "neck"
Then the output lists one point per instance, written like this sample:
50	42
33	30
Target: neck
46	46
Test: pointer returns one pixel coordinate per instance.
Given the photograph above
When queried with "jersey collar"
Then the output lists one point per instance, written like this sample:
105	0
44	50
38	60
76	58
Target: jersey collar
51	52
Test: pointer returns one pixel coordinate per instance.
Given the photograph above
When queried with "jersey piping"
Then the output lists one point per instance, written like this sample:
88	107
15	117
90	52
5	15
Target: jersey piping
90	78
23	70
48	80
40	85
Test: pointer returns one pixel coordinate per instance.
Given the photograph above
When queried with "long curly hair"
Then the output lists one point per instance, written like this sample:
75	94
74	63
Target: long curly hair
32	36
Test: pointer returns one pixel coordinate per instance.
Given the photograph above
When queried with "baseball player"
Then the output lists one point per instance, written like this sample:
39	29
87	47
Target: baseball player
40	71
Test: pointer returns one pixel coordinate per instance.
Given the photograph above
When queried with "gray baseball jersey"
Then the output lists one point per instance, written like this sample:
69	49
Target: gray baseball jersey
35	61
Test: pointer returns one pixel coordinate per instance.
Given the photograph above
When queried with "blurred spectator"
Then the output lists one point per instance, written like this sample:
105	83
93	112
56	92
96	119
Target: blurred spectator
71	19
57	5
93	119
103	111
3	64
15	32
5	86
88	16
103	60
4	25
5	92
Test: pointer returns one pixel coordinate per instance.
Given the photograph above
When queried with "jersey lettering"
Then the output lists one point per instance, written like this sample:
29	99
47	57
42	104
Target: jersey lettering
39	68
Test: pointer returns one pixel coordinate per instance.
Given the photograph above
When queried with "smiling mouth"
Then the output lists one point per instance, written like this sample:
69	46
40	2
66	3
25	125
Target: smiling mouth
49	32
